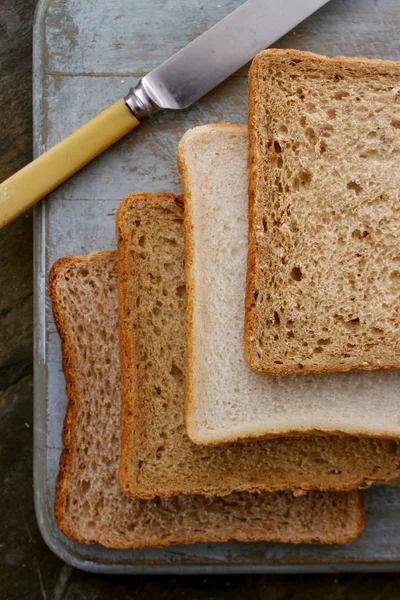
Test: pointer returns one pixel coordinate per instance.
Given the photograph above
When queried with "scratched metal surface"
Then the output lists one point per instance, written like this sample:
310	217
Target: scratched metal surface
86	55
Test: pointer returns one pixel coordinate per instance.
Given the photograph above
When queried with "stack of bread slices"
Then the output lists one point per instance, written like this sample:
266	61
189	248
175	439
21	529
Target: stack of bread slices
205	358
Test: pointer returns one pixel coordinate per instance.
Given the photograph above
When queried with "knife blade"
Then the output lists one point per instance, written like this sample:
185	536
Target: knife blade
175	84
223	49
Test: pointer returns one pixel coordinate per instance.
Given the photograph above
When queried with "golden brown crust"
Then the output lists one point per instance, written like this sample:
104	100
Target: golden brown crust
125	361
249	326
63	478
321	370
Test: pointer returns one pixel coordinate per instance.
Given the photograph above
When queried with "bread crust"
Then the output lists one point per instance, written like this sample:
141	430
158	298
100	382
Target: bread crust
249	326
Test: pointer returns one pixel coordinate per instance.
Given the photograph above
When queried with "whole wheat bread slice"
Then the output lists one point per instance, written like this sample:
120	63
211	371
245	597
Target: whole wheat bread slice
90	506
158	458
227	401
323	289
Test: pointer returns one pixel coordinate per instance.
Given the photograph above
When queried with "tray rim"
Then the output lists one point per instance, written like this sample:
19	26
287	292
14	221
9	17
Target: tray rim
39	297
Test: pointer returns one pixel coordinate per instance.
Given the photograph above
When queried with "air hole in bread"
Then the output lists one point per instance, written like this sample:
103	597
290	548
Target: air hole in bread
264	224
327	130
369	153
324	341
322	147
395	277
356	187
277	320
142	241
277	147
352	324
168	267
340	95
318	350
170	241
176	372
331	113
305	178
311	135
296	274
395	123
85	486
360	235
181	291
376	332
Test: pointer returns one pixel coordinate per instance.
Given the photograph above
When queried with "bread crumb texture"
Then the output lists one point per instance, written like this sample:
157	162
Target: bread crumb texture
324	287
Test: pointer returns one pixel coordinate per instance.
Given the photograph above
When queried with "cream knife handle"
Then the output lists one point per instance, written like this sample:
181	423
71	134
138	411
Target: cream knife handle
38	178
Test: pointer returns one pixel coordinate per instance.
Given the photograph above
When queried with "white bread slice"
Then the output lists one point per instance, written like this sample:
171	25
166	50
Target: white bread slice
158	458
323	290
90	506
226	401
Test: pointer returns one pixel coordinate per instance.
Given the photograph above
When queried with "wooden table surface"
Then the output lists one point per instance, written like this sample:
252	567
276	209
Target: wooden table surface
28	569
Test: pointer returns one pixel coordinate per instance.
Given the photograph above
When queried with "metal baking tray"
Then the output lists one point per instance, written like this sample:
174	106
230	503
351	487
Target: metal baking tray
87	53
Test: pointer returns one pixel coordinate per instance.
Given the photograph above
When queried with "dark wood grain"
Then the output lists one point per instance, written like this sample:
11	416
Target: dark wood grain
28	569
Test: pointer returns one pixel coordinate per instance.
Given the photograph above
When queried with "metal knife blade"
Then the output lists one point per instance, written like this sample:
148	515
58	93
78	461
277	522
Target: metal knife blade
213	56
